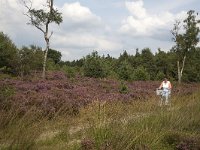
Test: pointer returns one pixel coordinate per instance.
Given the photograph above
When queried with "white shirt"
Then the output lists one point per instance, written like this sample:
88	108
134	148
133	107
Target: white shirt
166	85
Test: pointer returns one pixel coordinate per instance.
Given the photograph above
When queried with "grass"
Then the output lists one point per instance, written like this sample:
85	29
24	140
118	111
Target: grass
139	125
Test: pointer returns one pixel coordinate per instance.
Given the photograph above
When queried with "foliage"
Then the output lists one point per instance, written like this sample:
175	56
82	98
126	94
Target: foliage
162	62
70	71
148	62
141	74
30	59
54	55
125	70
8	54
123	88
94	66
186	40
192	68
160	76
51	66
41	18
143	65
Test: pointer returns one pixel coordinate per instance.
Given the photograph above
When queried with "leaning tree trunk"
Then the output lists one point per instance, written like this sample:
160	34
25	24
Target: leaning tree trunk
180	70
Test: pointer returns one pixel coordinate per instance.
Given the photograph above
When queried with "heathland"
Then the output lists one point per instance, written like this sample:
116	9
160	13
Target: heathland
90	113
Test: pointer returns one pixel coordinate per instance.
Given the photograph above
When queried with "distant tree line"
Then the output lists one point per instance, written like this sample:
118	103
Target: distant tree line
144	65
181	63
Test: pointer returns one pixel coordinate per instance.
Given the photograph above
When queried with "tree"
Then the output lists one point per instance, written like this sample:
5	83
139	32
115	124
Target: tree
140	74
8	54
54	55
192	67
41	19
162	63
94	66
123	56
186	41
148	62
125	70
30	59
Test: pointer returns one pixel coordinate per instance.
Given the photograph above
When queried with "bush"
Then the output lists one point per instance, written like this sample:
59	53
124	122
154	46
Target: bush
51	66
125	71
31	59
140	74
160	76
9	57
94	66
123	88
70	71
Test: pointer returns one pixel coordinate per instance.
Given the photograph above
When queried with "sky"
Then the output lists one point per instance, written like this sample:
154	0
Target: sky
105	26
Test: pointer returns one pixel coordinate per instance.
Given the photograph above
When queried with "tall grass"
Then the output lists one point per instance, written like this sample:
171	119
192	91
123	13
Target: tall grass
139	125
145	125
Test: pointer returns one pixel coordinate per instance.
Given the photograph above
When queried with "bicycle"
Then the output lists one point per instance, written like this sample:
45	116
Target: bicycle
165	95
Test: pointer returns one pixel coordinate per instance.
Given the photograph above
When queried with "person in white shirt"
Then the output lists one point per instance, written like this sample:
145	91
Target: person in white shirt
166	91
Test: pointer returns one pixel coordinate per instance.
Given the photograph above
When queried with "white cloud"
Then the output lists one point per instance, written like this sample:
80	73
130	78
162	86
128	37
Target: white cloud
78	18
81	31
142	23
77	13
85	41
75	46
136	8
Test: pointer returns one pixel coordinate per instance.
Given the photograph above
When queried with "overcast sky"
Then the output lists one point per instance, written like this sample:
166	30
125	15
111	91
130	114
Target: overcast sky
107	26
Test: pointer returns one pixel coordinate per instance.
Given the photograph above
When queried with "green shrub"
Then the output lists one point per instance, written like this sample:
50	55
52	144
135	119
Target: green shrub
69	71
51	66
125	70
141	74
31	59
123	88
9	57
160	76
94	66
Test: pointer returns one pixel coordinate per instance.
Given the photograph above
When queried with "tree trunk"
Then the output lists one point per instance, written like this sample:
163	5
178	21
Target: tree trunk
46	37
45	58
180	70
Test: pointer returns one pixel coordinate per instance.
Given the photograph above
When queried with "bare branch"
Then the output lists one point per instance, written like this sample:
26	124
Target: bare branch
25	4
40	29
51	34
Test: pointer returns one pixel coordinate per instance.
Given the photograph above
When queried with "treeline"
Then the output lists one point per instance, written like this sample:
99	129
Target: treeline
143	65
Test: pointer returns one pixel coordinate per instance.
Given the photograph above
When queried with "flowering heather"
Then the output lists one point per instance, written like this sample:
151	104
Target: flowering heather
48	96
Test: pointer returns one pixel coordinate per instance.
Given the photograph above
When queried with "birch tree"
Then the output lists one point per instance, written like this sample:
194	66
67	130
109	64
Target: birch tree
185	35
41	19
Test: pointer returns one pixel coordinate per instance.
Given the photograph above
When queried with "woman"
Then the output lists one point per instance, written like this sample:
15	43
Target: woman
166	90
